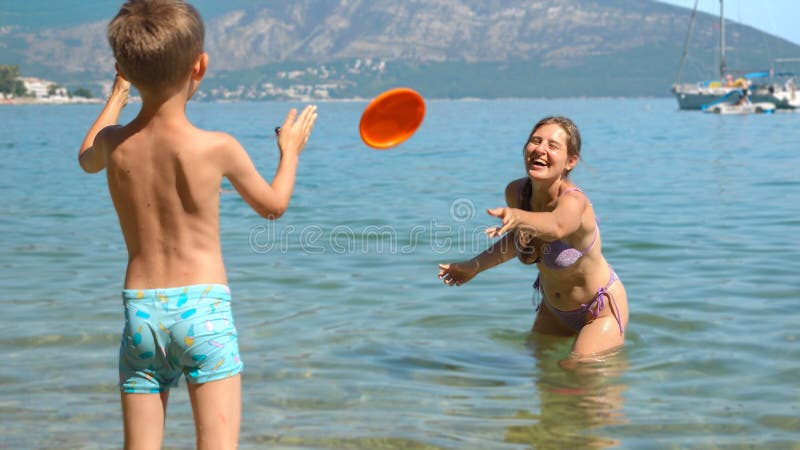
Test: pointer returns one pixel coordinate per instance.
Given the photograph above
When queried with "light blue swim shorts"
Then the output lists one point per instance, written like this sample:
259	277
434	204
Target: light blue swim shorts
171	331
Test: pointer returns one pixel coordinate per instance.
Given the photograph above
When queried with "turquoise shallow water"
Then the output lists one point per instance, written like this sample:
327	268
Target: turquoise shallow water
348	338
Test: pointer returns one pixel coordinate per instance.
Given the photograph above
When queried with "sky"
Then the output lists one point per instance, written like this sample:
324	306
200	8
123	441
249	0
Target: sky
777	17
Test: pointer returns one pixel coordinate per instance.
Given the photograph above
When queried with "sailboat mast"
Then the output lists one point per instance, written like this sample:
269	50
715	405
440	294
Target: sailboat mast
686	44
722	67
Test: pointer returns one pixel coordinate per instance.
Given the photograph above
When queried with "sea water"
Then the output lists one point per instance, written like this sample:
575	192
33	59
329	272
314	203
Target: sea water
348	338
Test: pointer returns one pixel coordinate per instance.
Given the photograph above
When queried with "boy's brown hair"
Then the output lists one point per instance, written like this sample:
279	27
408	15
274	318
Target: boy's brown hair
155	42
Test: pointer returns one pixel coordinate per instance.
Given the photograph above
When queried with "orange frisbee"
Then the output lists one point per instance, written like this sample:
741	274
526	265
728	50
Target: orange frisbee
391	118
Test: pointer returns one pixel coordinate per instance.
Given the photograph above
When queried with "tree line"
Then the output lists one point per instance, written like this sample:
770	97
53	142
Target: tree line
11	84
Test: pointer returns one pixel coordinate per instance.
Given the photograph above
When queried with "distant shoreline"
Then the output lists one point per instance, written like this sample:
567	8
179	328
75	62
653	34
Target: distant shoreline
94	101
50	101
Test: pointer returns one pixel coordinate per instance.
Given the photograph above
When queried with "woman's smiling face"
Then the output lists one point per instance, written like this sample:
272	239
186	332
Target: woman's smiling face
546	154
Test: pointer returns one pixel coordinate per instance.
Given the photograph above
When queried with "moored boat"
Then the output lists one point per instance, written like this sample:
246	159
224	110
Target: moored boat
777	88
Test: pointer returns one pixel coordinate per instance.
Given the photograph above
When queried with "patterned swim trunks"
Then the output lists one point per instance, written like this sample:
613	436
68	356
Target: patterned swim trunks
168	332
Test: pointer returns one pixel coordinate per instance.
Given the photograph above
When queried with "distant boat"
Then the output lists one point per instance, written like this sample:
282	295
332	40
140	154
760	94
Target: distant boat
761	87
737	102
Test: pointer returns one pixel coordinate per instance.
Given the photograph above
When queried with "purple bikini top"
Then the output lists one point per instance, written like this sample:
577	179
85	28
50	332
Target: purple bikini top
558	254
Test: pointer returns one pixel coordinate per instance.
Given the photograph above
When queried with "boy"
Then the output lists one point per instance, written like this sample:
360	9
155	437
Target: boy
164	177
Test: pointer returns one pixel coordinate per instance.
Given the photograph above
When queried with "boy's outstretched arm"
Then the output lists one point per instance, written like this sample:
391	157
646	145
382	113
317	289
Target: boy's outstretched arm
271	201
92	156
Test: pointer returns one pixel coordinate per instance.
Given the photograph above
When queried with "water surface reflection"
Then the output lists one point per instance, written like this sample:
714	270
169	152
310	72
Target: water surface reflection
577	401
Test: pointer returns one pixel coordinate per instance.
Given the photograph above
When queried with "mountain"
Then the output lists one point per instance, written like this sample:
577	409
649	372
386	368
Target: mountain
444	48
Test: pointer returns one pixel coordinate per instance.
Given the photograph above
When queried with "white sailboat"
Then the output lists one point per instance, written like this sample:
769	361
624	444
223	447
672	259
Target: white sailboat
767	87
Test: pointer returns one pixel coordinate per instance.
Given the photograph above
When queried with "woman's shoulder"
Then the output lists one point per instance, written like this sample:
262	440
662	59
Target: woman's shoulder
514	190
574	195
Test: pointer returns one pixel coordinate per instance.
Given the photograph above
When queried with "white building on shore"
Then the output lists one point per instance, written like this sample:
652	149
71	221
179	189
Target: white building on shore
44	91
44	88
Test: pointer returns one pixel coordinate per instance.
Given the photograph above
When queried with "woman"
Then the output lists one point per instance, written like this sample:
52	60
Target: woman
551	223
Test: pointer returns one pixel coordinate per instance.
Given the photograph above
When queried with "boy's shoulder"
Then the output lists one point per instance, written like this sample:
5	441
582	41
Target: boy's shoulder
202	138
110	135
218	145
210	136
216	140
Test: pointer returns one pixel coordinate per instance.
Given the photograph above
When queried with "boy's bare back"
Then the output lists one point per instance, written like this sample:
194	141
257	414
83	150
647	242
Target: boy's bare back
164	177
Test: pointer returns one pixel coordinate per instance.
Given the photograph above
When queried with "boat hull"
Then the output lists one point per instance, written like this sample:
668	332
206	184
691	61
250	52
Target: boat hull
750	108
694	97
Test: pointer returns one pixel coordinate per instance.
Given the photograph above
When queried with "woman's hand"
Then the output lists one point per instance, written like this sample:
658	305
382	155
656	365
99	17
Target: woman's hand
510	221
457	273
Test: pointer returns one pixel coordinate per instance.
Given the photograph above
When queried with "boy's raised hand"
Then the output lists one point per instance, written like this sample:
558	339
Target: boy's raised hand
120	90
91	156
294	133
